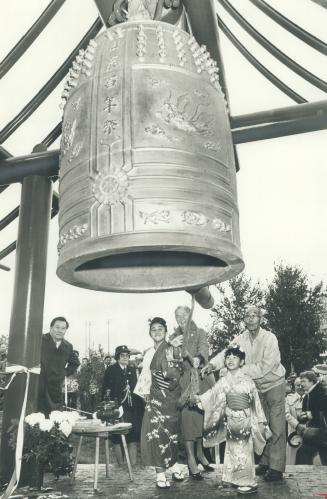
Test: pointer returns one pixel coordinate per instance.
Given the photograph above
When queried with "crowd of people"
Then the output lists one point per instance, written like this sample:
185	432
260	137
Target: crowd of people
238	403
306	416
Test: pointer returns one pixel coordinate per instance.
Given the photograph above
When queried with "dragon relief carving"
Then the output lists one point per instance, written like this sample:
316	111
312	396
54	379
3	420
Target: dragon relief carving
155	217
76	104
211	146
220	225
141	9
119	13
189	217
194	218
136	10
68	136
197	218
185	114
74	232
67	141
158	131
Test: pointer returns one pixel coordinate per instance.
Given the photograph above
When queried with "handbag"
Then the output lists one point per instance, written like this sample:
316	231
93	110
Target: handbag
316	437
294	440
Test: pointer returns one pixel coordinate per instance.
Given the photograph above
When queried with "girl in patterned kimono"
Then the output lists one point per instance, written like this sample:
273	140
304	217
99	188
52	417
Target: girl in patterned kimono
233	413
159	385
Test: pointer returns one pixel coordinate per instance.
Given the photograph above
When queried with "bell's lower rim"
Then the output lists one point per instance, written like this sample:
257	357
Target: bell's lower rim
148	271
214	259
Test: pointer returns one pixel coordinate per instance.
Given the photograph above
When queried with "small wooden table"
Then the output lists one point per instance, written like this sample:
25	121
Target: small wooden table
98	433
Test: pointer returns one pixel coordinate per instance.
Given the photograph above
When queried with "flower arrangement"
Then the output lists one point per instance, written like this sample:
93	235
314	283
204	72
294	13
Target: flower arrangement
46	441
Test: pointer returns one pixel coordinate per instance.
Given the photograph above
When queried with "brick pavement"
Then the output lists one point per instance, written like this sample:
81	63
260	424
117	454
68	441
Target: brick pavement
300	482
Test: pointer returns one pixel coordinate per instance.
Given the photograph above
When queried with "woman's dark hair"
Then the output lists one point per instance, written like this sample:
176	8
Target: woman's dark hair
235	350
61	319
310	376
158	320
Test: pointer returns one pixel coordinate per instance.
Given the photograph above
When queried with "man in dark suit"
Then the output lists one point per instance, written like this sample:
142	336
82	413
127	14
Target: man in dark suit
313	420
57	361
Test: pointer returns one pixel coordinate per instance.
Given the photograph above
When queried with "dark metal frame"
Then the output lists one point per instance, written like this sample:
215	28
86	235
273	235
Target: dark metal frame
26	322
272	49
257	64
293	28
46	90
26	41
245	128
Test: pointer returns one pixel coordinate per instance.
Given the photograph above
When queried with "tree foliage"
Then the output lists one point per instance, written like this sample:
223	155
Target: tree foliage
93	372
90	380
293	311
228	313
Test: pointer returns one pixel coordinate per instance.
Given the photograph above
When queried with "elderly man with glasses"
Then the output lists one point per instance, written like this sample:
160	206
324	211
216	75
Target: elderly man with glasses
263	365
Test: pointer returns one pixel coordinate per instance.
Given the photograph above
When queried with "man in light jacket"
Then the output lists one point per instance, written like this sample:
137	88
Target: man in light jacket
263	365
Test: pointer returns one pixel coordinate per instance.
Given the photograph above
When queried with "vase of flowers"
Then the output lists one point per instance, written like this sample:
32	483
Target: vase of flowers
46	446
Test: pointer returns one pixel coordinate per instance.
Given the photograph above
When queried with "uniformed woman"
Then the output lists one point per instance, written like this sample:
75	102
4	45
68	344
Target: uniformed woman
120	378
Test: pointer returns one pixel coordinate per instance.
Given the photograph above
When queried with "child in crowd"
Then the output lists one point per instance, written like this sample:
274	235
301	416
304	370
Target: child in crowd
233	413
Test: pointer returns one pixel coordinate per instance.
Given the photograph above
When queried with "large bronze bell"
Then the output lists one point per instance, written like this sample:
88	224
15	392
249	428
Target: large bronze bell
147	178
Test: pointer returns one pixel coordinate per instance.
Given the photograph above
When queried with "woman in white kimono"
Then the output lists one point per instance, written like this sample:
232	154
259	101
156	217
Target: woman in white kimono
233	413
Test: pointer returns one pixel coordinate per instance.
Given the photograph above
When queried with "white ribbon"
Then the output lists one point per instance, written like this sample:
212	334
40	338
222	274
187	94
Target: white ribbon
66	391
17	369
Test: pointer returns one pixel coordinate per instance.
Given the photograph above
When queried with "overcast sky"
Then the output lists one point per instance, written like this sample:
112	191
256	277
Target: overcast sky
281	184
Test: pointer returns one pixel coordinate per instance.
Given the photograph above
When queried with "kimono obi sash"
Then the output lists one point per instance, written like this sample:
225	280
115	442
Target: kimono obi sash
158	381
238	401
